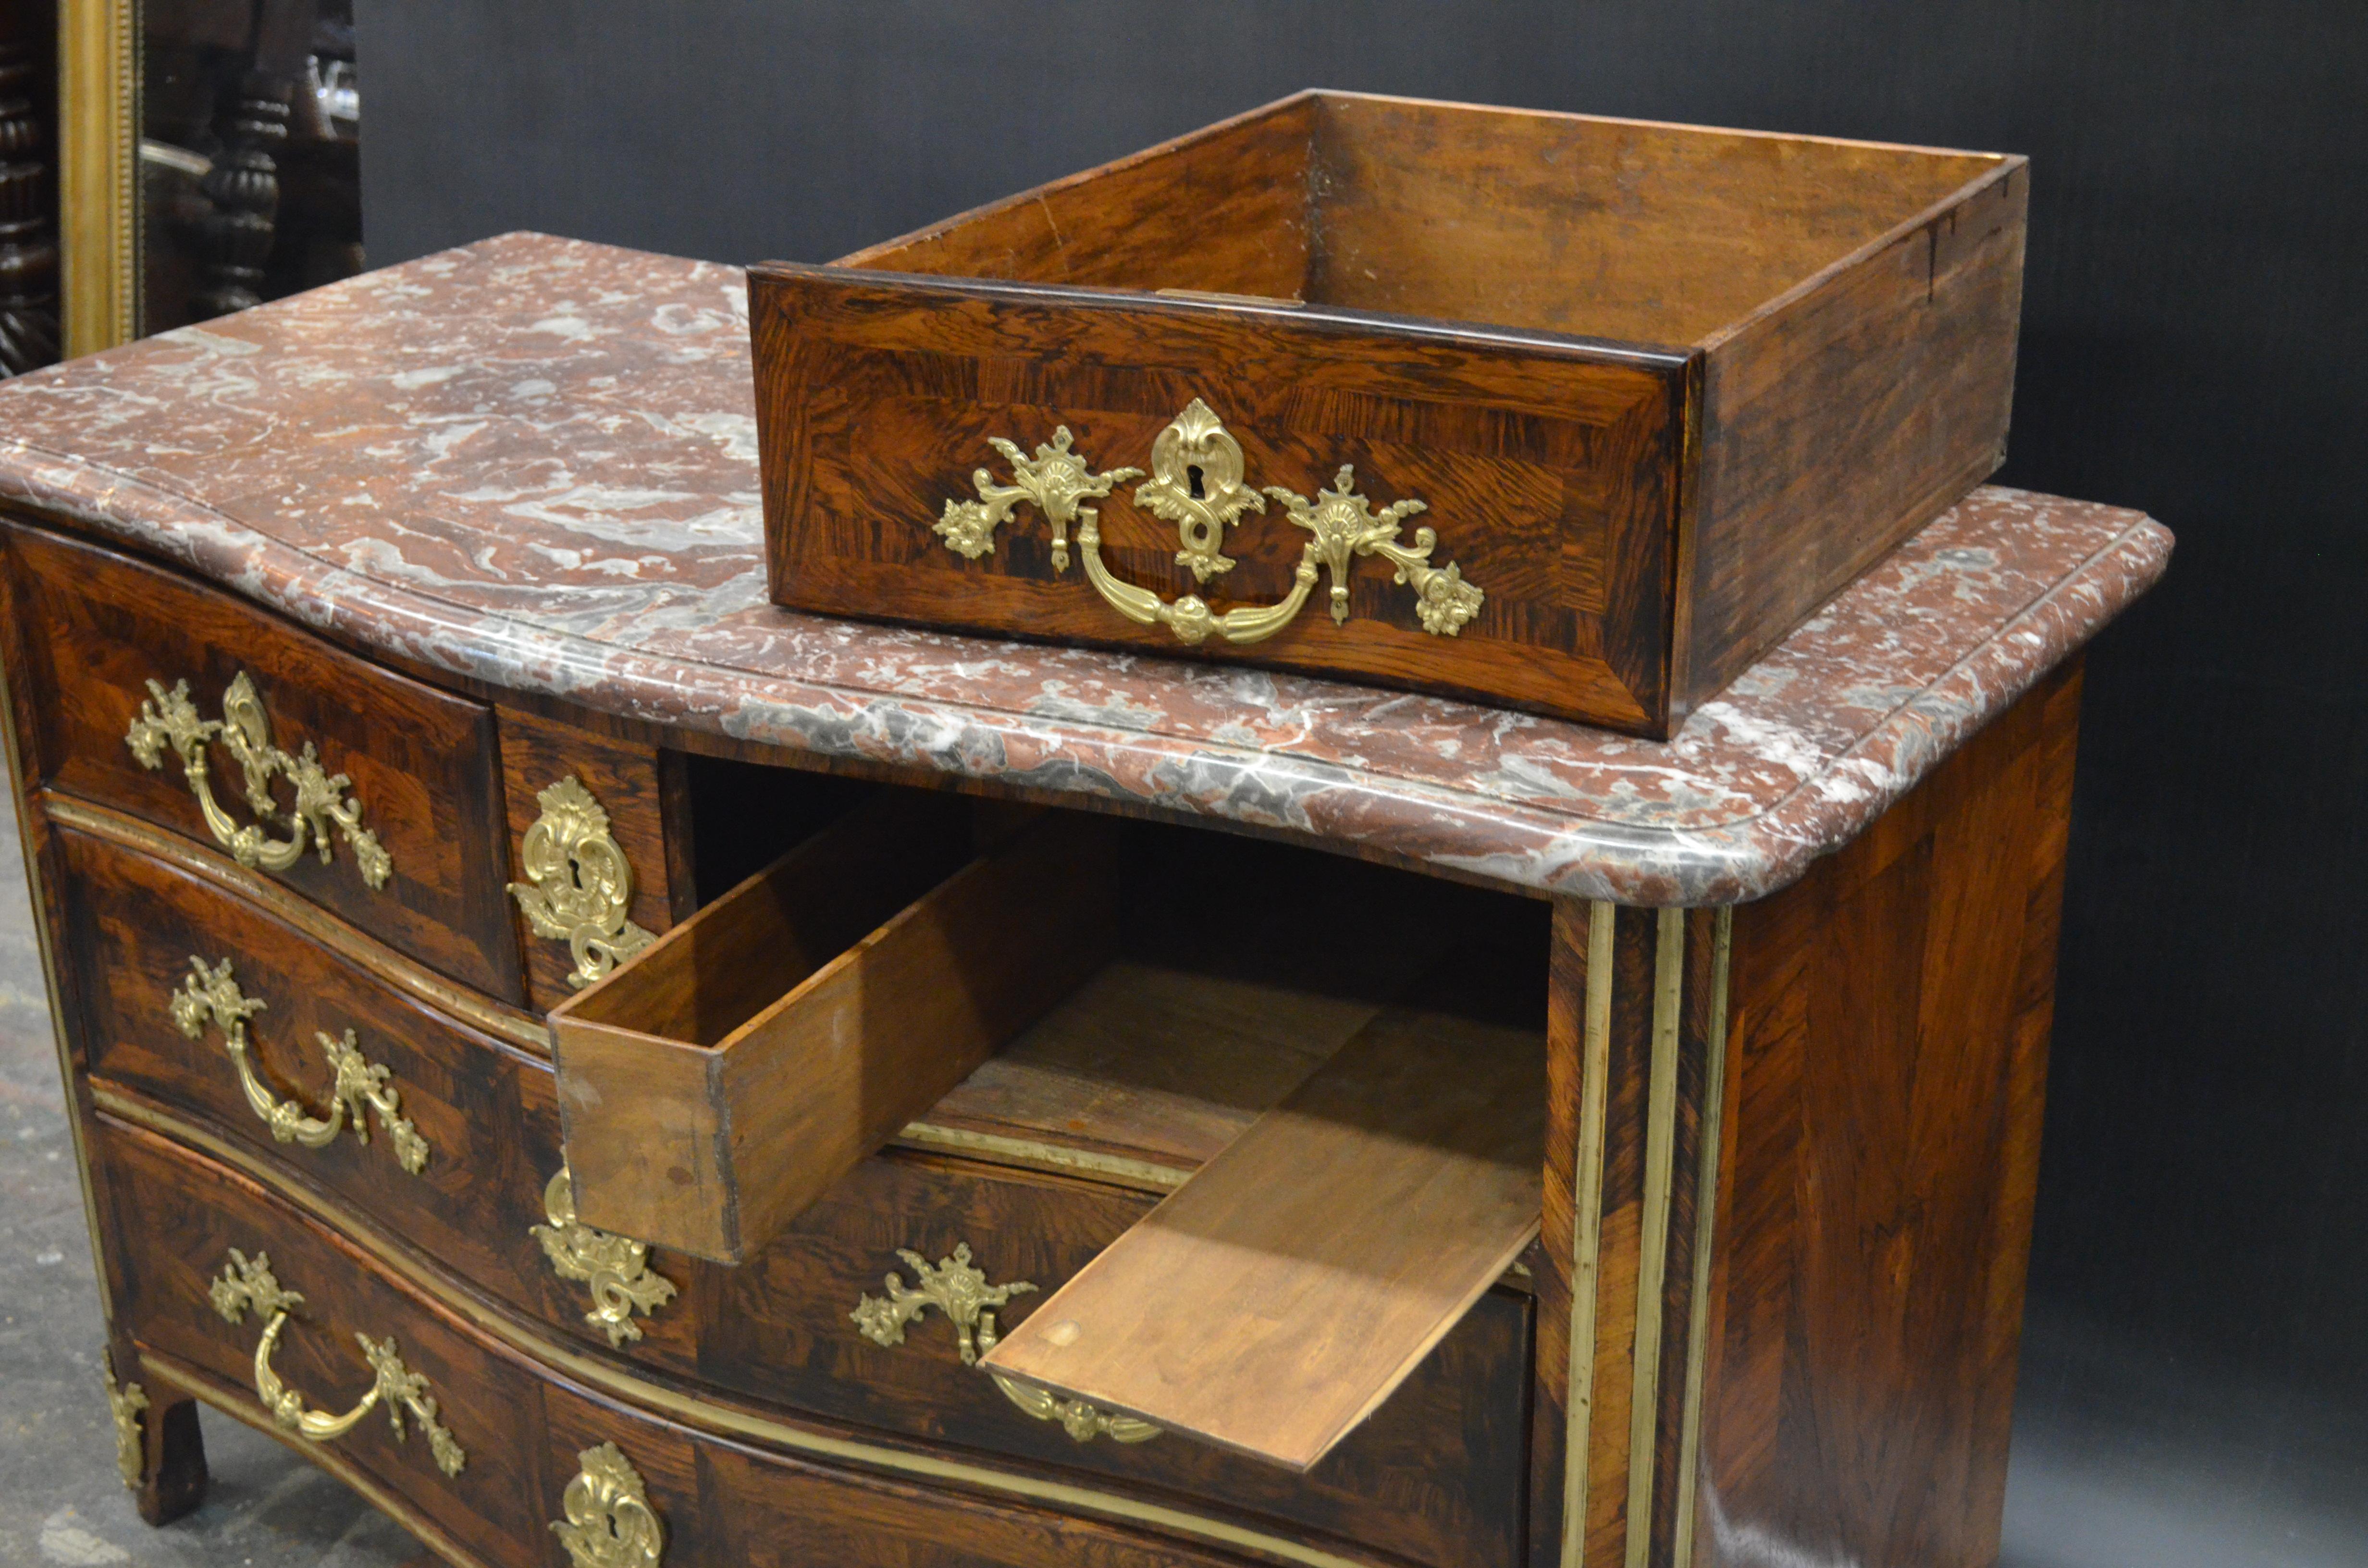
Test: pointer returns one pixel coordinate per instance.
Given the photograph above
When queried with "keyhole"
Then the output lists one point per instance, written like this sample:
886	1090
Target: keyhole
1192	472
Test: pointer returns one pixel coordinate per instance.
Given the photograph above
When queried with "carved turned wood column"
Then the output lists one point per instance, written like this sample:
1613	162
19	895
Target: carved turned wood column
28	235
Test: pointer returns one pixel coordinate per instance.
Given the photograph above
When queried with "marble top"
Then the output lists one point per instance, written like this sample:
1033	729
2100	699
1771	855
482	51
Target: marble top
533	461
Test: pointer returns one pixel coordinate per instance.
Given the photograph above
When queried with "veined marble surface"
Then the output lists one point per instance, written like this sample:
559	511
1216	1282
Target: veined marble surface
533	461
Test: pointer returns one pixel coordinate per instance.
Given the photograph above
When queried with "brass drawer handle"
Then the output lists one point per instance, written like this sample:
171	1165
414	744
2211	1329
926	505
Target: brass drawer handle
610	1522
170	719
959	1289
1196	483
578	884
617	1267
213	995
249	1282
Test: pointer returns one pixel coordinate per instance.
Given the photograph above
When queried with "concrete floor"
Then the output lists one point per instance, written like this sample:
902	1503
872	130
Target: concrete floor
61	1501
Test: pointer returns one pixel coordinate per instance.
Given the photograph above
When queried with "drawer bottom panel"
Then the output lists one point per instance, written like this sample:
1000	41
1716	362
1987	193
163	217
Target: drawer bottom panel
484	1473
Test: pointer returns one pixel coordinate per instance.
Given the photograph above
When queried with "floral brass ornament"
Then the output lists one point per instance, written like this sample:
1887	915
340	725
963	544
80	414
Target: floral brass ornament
958	1287
126	1406
247	1282
610	1522
616	1267
578	884
211	995
1055	480
168	719
1196	483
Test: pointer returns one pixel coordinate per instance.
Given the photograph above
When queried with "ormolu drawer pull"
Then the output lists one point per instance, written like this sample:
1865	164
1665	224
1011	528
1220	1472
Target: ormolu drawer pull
170	719
213	994
1196	483
958	1289
610	1522
617	1267
249	1282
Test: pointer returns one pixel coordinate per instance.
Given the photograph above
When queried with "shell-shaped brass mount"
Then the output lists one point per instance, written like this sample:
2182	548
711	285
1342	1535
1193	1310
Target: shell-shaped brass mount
610	1522
578	884
1196	483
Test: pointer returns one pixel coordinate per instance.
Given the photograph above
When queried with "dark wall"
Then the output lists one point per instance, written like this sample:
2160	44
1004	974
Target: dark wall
2195	343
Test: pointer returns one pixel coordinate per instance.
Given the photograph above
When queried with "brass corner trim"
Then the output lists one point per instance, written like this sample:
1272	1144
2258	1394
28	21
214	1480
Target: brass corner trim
127	1405
578	884
608	1522
211	995
1196	483
616	1267
249	1282
168	719
508	1024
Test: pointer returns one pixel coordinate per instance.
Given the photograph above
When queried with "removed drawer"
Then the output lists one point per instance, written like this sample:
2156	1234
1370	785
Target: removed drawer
373	795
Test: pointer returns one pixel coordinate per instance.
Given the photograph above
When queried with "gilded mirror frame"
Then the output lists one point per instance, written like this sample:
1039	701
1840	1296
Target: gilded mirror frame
99	173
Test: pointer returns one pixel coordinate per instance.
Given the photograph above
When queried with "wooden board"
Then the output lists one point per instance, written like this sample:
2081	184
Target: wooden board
1159	1068
1272	1303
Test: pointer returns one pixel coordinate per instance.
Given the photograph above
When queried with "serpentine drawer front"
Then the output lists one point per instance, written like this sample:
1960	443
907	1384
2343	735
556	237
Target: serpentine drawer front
208	1262
373	795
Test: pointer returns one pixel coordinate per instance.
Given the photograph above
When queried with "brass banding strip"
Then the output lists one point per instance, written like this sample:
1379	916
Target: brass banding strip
1653	1253
1713	1119
703	1414
1587	1229
1028	1152
511	1024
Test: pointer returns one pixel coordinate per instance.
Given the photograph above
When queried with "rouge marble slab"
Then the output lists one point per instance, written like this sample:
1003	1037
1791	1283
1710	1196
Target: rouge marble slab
532	462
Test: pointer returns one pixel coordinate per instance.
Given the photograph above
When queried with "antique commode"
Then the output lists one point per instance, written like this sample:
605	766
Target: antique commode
384	664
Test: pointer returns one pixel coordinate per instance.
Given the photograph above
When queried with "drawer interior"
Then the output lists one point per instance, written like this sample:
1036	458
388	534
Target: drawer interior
1334	1071
1605	228
716	1086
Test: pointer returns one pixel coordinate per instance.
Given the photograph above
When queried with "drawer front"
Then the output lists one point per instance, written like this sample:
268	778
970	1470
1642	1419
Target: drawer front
508	1465
380	796
1434	1477
462	1131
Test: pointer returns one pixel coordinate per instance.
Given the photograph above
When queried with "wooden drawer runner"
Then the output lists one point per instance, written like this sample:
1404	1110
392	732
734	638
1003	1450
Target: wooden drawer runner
408	848
513	1437
1434	1477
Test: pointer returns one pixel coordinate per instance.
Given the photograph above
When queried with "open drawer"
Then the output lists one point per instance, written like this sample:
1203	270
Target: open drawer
712	1089
1380	1036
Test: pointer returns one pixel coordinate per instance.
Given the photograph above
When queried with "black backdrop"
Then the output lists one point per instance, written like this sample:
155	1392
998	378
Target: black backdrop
2195	1380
